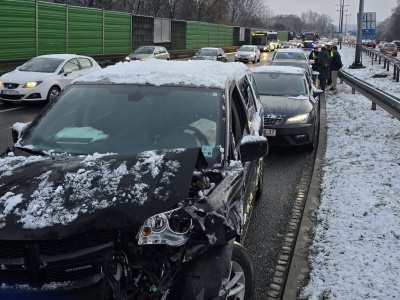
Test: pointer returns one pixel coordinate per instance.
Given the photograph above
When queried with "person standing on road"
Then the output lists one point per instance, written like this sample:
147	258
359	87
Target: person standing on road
313	57
336	65
330	51
324	65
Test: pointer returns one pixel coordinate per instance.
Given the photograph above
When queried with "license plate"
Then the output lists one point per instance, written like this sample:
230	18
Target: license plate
8	92
270	132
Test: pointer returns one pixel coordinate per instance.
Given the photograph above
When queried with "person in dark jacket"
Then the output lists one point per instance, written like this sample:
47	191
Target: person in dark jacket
324	62
313	57
330	51
336	65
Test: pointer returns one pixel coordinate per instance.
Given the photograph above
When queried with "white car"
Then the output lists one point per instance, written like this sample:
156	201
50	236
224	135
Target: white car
248	53
43	77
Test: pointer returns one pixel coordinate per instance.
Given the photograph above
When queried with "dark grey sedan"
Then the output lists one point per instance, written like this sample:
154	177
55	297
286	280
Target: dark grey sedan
291	110
209	53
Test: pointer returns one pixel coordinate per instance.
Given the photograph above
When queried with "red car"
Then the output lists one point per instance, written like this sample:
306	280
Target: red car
369	43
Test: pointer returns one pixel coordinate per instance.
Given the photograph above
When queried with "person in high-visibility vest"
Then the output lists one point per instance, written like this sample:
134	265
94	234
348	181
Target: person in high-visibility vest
313	58
336	65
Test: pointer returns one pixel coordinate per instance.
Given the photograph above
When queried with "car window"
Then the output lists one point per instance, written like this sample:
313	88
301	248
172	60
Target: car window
279	84
144	50
238	117
254	85
247	95
72	64
246	49
84	62
42	64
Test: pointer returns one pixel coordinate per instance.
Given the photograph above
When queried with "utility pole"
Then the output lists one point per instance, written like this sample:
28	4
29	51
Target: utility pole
341	13
357	63
345	24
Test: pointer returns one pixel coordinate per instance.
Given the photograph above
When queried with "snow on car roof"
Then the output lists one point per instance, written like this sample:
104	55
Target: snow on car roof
278	69
60	56
160	72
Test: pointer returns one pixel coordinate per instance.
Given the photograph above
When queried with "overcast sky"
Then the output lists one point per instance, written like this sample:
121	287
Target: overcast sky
383	8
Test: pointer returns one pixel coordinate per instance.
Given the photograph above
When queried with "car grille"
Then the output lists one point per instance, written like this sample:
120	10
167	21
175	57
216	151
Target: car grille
10	85
12	97
54	261
268	122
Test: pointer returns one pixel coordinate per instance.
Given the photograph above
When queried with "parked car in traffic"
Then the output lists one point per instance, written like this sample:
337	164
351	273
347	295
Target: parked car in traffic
210	53
248	53
297	54
291	107
137	180
43	77
369	43
397	42
299	64
147	52
389	48
287	45
381	44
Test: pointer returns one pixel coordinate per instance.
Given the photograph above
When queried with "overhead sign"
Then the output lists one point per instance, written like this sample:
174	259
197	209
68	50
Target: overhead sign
369	26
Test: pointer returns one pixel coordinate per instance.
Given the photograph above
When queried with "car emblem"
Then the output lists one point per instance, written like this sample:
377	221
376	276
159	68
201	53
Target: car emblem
10	86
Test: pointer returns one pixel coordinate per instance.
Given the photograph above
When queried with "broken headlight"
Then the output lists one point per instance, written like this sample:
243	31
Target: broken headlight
171	228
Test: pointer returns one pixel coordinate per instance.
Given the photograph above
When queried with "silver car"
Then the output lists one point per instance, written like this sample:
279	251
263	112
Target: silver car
147	52
248	53
208	53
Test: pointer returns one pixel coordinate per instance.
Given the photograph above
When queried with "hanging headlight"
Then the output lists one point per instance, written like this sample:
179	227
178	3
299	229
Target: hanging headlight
171	228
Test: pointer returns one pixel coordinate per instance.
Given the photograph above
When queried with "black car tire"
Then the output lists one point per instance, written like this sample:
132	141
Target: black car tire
241	262
53	92
313	144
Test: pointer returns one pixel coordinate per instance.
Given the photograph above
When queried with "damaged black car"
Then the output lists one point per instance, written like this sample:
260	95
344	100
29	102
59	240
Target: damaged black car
137	182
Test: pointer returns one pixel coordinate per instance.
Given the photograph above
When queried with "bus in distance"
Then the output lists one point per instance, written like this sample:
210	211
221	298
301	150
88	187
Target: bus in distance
265	40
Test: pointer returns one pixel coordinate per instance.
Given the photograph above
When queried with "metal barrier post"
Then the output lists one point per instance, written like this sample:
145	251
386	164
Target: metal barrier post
373	106
388	65
398	71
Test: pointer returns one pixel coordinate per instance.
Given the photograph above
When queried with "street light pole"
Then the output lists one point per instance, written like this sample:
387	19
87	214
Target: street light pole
357	63
345	25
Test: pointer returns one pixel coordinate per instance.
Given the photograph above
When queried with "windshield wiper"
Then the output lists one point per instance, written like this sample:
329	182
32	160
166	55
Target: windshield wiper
32	151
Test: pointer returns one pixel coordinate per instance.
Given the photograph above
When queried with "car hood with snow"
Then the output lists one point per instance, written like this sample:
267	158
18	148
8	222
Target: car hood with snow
54	197
285	106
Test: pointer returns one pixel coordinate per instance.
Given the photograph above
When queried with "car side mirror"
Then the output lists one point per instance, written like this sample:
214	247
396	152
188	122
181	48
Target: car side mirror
315	73
67	71
253	147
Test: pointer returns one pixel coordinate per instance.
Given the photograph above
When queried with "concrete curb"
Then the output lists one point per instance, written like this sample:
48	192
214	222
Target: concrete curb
299	268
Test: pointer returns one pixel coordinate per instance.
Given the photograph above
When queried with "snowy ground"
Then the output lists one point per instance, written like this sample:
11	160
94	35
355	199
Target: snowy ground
355	252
